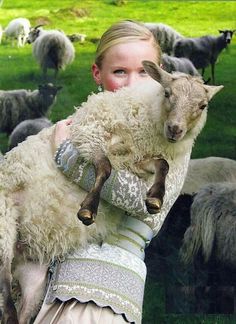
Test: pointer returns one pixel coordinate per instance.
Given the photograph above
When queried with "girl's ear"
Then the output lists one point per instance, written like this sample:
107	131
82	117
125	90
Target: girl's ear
96	74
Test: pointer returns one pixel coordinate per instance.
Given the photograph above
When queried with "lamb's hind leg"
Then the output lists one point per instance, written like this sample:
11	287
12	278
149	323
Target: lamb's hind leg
9	313
89	206
156	193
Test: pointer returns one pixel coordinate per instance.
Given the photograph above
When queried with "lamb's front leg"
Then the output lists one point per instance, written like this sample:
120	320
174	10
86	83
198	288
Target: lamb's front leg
156	193
89	206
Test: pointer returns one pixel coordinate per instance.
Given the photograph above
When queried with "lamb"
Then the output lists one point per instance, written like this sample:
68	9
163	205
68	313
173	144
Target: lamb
165	36
151	122
208	170
52	49
26	128
21	104
203	51
181	64
19	29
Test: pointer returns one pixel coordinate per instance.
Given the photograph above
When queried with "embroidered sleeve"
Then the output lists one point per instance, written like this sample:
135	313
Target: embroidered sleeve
122	189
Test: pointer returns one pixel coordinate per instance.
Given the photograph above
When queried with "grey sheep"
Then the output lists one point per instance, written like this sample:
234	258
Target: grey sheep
213	224
51	48
21	104
165	36
203	51
181	64
26	128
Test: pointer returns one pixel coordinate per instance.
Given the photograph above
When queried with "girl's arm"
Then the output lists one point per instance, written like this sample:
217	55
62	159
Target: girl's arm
122	189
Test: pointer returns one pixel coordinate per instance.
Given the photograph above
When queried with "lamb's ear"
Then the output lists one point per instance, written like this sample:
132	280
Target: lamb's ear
59	87
212	90
156	72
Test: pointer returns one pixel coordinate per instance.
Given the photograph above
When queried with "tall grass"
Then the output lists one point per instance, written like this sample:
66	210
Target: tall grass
18	69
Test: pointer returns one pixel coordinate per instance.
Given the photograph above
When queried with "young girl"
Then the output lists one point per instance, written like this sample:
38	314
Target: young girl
104	283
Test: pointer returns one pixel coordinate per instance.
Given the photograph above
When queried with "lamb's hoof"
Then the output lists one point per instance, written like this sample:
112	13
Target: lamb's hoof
153	205
85	216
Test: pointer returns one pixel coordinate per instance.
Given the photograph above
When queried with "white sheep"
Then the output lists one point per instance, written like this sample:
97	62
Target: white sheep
18	105
51	48
203	51
208	170
26	128
77	37
165	36
19	29
137	125
181	64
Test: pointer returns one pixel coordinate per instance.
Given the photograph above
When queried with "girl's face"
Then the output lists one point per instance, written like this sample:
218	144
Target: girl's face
122	65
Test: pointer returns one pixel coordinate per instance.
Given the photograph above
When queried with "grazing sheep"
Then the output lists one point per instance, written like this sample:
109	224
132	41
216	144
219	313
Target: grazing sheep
165	35
138	125
21	104
26	128
19	29
203	51
51	48
208	170
77	37
181	64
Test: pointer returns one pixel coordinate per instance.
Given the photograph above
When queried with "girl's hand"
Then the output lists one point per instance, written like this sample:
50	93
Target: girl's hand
61	133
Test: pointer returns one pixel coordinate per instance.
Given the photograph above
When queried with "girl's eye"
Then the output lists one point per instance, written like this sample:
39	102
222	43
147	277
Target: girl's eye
119	72
143	73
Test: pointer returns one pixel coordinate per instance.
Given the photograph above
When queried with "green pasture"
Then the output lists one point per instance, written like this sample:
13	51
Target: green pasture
18	69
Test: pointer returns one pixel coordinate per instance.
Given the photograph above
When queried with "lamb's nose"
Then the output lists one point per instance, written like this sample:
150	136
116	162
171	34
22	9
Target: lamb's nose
175	129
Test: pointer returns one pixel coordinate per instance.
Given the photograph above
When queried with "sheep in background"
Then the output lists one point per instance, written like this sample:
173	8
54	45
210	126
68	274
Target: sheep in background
208	170
165	36
77	37
181	64
26	128
203	51
21	104
52	49
40	212
210	243
19	29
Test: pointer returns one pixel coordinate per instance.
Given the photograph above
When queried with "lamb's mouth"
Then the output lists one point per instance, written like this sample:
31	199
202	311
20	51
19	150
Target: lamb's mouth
172	140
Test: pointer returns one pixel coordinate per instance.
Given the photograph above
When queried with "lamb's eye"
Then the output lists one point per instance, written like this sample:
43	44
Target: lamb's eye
167	93
203	106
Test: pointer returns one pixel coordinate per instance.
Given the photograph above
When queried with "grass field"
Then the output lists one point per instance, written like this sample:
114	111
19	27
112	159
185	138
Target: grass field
18	69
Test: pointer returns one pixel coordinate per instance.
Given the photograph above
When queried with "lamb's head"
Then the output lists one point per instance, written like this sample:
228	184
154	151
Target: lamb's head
34	33
185	103
48	93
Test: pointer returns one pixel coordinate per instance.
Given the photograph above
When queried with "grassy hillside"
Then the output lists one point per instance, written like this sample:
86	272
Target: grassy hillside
18	69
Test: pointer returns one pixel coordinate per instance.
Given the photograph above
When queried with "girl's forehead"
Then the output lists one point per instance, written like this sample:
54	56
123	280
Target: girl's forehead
135	50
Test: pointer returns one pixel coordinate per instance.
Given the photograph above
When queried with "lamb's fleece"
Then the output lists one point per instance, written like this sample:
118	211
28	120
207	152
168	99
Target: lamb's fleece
45	204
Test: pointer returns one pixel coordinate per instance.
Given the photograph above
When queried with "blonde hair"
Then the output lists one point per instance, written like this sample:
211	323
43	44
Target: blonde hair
125	31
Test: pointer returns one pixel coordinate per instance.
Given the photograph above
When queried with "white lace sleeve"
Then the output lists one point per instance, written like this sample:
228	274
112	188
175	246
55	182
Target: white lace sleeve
123	189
